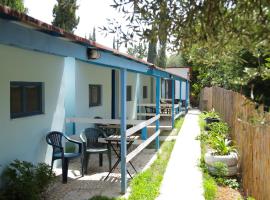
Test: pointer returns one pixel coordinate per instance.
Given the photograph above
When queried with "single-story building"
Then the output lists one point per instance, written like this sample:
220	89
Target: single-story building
49	75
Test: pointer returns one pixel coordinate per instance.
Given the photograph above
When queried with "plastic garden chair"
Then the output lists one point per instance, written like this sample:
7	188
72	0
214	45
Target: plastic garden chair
149	110
55	139
91	146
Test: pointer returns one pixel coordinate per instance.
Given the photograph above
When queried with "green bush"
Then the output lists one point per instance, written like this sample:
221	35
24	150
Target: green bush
210	114
221	169
23	180
210	187
221	146
218	129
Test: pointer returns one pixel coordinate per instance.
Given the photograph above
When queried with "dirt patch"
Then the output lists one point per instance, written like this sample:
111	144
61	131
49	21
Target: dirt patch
226	193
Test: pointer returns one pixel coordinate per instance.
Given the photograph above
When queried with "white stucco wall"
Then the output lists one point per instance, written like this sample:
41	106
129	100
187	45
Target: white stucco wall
24	138
90	74
137	81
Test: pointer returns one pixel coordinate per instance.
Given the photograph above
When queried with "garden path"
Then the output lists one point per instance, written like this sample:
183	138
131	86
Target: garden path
183	178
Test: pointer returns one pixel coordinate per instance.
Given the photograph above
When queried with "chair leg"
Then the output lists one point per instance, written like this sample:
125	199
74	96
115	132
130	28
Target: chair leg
100	159
64	169
87	156
82	163
52	164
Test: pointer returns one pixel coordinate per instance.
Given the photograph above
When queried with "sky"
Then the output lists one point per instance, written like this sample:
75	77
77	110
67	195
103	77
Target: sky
92	13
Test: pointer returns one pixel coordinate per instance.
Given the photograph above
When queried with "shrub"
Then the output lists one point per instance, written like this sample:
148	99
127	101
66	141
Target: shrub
218	129
221	146
221	169
210	114
23	180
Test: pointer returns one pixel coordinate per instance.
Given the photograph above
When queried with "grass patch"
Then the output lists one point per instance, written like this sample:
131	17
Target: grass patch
146	185
209	184
210	187
178	123
165	133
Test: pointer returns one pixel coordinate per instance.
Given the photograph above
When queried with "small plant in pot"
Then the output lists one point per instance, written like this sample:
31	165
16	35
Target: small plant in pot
222	151
211	117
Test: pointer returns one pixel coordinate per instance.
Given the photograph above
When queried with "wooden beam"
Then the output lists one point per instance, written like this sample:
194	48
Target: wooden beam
153	114
142	146
178	115
161	105
85	120
140	126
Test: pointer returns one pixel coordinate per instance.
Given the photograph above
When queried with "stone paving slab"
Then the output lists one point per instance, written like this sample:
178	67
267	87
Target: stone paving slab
183	178
92	184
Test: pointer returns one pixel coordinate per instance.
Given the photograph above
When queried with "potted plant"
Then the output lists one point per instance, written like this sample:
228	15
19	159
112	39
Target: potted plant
211	117
222	151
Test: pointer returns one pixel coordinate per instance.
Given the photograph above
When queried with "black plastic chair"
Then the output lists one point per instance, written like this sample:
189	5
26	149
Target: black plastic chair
54	139
91	146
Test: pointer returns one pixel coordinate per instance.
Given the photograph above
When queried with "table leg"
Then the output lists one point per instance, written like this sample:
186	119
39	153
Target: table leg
118	161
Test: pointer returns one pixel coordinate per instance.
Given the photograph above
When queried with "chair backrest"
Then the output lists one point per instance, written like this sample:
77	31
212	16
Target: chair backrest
91	135
54	138
97	117
150	109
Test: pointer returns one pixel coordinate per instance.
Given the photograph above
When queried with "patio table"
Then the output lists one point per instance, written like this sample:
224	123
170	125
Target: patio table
110	128
116	139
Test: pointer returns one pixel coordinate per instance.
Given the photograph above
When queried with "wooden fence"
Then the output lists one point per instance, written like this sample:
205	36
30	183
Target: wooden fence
250	131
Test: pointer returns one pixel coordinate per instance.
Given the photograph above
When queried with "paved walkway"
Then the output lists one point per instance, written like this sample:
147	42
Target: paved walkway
183	179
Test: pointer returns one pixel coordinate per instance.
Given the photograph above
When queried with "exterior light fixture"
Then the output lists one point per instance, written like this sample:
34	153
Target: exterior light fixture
92	53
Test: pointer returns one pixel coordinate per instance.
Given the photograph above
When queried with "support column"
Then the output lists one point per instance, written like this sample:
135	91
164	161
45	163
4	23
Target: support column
69	102
113	101
123	131
157	108
173	97
180	96
187	95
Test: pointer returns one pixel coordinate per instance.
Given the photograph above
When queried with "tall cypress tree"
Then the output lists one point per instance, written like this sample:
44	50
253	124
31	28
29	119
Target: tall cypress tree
14	4
64	13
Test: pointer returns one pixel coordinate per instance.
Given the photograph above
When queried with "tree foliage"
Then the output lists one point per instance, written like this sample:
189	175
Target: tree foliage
93	35
14	4
138	50
64	13
226	41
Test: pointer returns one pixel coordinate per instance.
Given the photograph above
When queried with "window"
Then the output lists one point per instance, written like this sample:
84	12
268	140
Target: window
25	99
95	95
145	92
129	93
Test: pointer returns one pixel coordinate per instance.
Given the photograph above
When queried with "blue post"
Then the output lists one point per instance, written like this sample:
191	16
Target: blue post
113	101
144	133
70	97
173	96
187	93
157	108
180	96
123	131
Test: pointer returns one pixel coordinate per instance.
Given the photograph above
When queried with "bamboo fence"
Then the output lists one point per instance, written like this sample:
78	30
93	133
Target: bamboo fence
250	131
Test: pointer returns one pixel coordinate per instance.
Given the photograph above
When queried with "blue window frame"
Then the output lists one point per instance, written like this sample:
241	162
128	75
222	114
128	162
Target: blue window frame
26	99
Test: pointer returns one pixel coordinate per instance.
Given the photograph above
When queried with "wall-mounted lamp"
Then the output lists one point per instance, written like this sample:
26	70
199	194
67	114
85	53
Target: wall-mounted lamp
92	53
